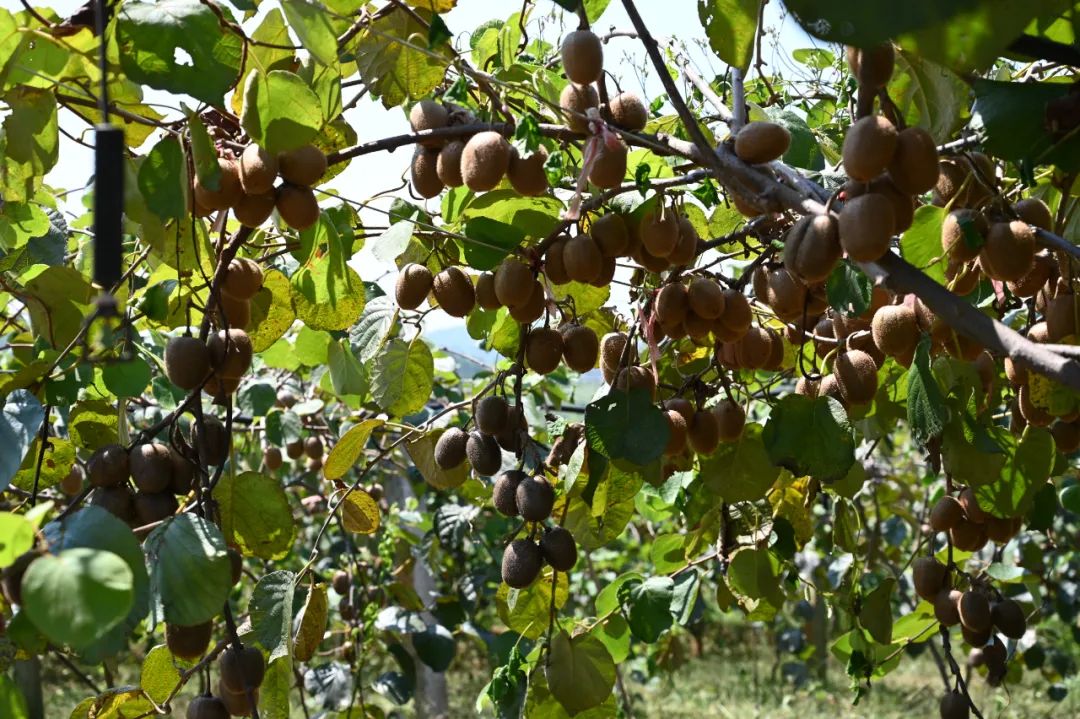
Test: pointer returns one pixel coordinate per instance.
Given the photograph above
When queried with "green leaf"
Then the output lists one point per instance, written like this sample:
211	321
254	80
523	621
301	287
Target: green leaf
327	292
402	376
77	596
1014	117
391	244
928	95
190	570
527	611
271	311
347	376
274	700
647	606
348	450
396	71
159	675
755	573
435	646
32	141
55	464
740	471
536	217
876	613
685	595
926	409
129	378
255	515
848	289
92	425
311	23
16	537
311	346
280	111
271	31
20	421
1023	475
203	153
921	243
12	702
163	179
272	612
490	241
626	426
730	26
149	34
370	331
810	437
580	672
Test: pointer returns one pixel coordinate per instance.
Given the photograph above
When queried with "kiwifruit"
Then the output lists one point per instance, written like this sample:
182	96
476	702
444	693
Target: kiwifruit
731	420
117	500
580	347
737	316
521	563
704	432
414	282
1034	212
1066	436
895	330
609	165
285	398
968	536
72	483
526	174
672	304
448	164
659	231
485	291
753	349
974	610
483	454
187	362
946	513
611	350
972	511
533	308
241	669
272	458
869	147
258	170
428	115
963	234
295	449
683	406
628	111
313	448
12	576
812	248
582	259
423	173
230	353
954	705
999	529
929	577
253	210
696	326
491	414
636	377
543	350
513	282
866	227
453	290
686	248
1009	250
761	141
559	548
450	448
243	278
207	707
239	704
303	166
872	66
903	204
108	466
705	298
346	610
582	56
484	160
1062	316
856	376
677	432
183	473
151	466
946	610
1009	618
504	493
555	262
233	312
229	189
610	235
958	184
807	386
535	498
828	387
651	262
341	582
1042	268
512	438
914	166
297	206
188	642
575	100
786	294
995	656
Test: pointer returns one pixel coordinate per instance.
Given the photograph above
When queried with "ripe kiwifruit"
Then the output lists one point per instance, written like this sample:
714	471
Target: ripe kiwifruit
929	577
786	294
651	262
302	166
963	234
705	298
628	111
812	248
914	166
610	234
737	316
504	493
975	611
872	66
1009	250
72	483
856	376
521	563
582	259
484	160
954	705
945	606
151	466
513	282
1042	269
609	165
869	147
866	227
491	414
272	458
1062	315
1034	212
1066	436
972	511
448	164
659	231
211	440
108	466
253	210
761	141
611	350
483	454
450	448
575	100
683	406
243	278
580	347
12	576
731	418
968	536
341	582
903	205
229	189
807	386
118	501
753	349
533	308
559	549
946	514
686	248
526	173
183	473
543	350
413	284
428	115
258	170
241	669
230	353
233	312
958	184
423	173
313	448
678	430
295	449
1009	618
188	642
207	707
485	291
187	362
512	438
555	262
535	498
672	304
297	206
704	432
896	332
453	290
582	56
1000	529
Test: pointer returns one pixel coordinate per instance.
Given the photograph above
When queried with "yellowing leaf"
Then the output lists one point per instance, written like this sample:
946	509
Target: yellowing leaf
349	449
360	513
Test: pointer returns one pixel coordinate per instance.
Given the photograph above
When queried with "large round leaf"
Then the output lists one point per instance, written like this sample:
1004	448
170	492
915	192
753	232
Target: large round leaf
255	515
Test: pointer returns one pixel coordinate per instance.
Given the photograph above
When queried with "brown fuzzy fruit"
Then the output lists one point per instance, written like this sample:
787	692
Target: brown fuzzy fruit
485	160
230	353
812	248
611	351
963	234
414	282
513	282
314	448
628	111
151	467
559	549
521	563
914	166
207	707
423	172
189	642
972	511
491	414
686	248
672	304
12	576
243	278
946	514
211	440
229	189
704	432
869	147
302	166
450	448
258	170
533	308
485	291
580	347
555	262
504	493
856	376
785	294
483	453
582	56
895	330
1009	250
575	100
1009	618
1062	315
866	227
959	184
1066	436
975	611
241	669
253	210
610	234
954	705
737	316
636	377
453	290
968	536
929	577
677	432
295	450
187	362
526	174
1034	212
272	458
448	164
761	141
428	115
535	498
731	418
609	166
543	350
232	312
118	501
297	206
706	298
582	259
872	66
659	231
945	607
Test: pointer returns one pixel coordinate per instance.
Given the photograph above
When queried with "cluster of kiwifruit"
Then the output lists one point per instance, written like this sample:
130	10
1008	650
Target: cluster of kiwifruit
517	494
451	289
241	670
247	186
969	526
499	426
